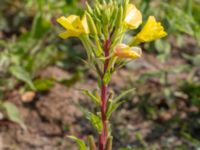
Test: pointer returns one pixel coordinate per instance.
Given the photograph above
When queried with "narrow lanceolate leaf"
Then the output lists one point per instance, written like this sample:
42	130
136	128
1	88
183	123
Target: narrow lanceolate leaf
92	25
115	103
80	143
126	2
106	77
89	9
123	94
112	107
22	75
94	98
13	114
114	16
95	120
119	17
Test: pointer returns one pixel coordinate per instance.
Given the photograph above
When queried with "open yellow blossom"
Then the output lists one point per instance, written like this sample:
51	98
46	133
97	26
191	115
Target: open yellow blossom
125	51
74	26
133	17
151	31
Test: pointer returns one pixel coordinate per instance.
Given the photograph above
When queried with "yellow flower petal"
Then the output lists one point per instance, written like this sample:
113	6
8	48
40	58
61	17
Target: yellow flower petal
124	51
67	34
85	24
151	31
133	17
65	23
74	26
76	22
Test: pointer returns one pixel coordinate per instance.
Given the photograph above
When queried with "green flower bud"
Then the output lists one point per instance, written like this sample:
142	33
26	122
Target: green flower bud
114	16
93	30
119	17
89	9
104	18
126	2
92	26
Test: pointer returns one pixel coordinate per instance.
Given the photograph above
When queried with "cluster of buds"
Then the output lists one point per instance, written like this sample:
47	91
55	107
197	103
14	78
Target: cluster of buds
110	20
101	29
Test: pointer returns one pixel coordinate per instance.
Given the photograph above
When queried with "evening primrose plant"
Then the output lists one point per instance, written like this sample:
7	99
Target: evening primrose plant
101	29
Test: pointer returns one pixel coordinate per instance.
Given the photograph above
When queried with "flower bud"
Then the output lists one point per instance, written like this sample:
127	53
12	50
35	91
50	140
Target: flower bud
124	51
91	24
119	17
133	17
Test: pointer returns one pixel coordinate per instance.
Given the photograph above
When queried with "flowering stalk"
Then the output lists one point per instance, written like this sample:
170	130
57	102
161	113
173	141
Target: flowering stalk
104	90
101	30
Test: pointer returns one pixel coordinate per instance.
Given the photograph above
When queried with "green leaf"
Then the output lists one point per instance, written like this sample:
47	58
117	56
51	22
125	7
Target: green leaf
112	107
190	138
45	56
72	80
92	96
40	26
107	77
43	84
123	94
22	75
180	20
13	114
162	46
115	103
81	144
95	121
196	60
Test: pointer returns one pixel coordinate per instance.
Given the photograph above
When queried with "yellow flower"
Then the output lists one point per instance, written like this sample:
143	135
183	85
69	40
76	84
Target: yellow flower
133	17
151	31
124	51
74	26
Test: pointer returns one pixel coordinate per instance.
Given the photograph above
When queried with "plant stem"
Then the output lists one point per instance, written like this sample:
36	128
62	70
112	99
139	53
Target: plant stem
104	90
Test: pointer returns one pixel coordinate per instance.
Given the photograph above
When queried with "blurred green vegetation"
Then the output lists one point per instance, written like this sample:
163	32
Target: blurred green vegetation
29	44
29	41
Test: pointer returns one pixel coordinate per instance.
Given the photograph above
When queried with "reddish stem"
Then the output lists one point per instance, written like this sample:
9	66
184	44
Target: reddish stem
104	90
